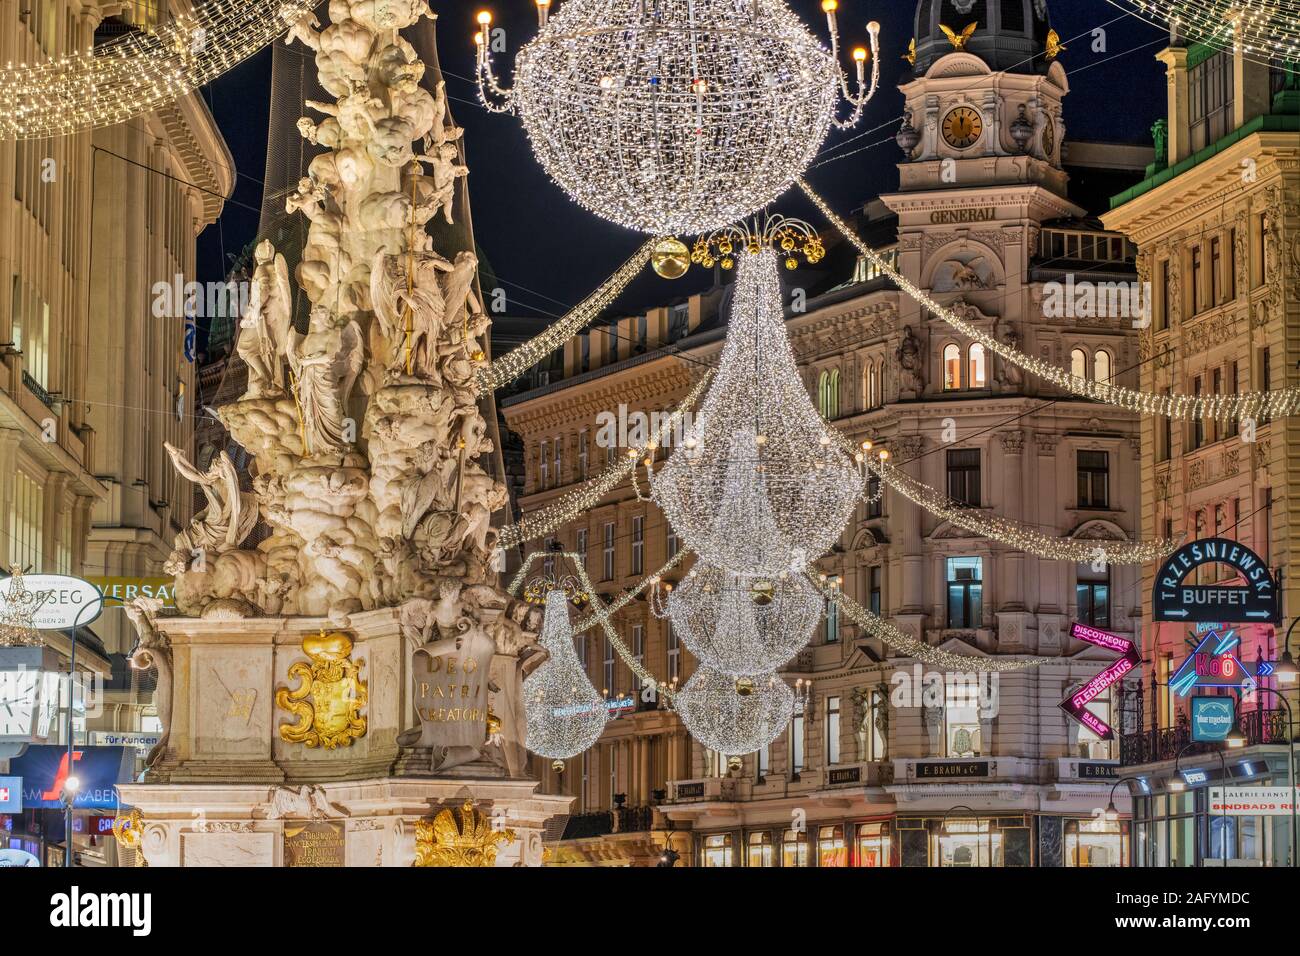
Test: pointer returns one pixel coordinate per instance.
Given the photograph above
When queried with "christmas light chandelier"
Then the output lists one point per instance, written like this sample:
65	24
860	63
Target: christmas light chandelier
17	612
140	71
758	486
1266	30
742	626
734	715
676	116
564	713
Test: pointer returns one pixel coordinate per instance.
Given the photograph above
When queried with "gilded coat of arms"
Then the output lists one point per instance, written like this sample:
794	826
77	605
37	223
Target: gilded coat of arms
473	842
329	697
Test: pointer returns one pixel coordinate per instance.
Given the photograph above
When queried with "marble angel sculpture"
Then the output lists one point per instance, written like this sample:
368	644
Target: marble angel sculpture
268	322
325	363
224	524
406	341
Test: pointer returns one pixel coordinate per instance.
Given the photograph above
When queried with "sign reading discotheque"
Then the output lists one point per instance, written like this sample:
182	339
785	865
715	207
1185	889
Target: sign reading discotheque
1076	704
60	601
1255	601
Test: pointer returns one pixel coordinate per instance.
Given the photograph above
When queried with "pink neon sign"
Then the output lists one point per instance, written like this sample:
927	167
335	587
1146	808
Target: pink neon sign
1076	705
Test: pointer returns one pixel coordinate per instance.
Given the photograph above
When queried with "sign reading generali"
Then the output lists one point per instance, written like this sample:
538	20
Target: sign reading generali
1255	601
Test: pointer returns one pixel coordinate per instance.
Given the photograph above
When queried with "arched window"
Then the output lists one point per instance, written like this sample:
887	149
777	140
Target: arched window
1078	363
1101	366
828	393
870	387
951	367
977	377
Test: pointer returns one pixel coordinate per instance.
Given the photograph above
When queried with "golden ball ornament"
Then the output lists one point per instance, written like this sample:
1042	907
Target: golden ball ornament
670	258
557	766
744	686
734	764
792	263
761	591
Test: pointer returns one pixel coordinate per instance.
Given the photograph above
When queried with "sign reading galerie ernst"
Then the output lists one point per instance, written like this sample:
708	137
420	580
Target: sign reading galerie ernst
319	843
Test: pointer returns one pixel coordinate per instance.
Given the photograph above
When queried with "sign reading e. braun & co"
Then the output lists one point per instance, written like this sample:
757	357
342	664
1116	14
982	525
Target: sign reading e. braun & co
1254	601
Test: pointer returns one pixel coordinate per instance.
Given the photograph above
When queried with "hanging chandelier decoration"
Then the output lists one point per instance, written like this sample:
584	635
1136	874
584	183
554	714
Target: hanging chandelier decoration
565	715
758	487
140	71
734	715
742	626
676	116
17	612
1267	30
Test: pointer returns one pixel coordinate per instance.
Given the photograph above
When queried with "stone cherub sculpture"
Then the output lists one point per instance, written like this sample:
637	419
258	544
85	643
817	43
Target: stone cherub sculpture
152	650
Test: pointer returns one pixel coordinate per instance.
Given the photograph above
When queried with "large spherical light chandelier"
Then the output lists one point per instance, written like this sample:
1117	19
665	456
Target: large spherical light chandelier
676	116
743	626
565	715
734	715
758	486
1265	30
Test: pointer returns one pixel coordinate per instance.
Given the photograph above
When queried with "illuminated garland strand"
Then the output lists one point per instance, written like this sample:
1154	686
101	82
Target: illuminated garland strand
1242	405
546	520
880	628
628	596
1013	533
602	616
1267	30
519	360
139	72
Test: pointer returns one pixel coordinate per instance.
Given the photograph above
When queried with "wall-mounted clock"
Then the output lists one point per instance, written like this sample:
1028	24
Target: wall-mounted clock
29	694
1049	137
962	127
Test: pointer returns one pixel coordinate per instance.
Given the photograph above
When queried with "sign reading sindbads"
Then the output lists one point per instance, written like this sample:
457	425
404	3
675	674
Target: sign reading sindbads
1254	601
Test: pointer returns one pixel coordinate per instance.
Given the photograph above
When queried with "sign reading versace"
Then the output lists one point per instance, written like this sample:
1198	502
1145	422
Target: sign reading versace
1256	600
944	217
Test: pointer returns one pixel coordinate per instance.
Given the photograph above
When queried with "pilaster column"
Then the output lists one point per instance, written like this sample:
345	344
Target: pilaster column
1012	592
1175	61
907	448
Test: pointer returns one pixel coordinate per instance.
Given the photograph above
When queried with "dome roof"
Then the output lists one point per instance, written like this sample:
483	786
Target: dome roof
1009	35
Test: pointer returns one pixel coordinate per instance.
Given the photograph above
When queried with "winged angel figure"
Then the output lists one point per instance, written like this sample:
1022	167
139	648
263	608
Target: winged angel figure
225	522
325	365
958	41
267	325
407	341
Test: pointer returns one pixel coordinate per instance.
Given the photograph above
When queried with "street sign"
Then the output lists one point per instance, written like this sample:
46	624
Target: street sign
1076	704
1255	601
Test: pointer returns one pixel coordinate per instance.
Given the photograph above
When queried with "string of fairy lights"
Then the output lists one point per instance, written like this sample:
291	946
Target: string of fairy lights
1255	406
140	71
518	360
1265	30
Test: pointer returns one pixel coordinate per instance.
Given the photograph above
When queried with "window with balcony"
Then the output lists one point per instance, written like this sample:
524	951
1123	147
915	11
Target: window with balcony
1093	478
965	592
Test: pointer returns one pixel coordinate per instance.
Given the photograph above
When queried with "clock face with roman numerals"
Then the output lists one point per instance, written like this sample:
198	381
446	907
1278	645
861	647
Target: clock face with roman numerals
962	127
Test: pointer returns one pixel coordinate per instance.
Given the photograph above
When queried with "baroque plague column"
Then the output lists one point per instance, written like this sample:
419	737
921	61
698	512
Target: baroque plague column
332	691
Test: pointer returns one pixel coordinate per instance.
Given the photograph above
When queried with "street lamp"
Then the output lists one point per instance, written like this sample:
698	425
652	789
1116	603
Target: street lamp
1286	671
1178	785
71	786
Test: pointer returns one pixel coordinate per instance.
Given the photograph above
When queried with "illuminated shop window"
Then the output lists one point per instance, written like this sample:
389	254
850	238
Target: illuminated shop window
717	850
831	850
759	850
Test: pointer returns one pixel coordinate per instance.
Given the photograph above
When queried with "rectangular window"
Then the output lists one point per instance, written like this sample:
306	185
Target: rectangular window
961	717
1216	264
964	476
1232	265
1092	747
607	565
1162	316
548	562
1094	479
875	498
794	848
1196	279
674	653
760	850
545	466
873	844
796	746
832	730
832	621
582	456
559	451
1265	377
831	850
672	542
608	673
1198	424
27	523
580	545
1233	426
874	589
638	543
638	643
965	592
764	762
876	721
1092	595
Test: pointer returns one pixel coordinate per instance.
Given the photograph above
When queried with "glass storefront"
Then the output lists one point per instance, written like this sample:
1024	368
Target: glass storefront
1096	842
1177	829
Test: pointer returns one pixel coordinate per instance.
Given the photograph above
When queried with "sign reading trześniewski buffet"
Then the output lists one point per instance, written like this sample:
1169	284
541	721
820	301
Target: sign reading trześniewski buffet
1254	601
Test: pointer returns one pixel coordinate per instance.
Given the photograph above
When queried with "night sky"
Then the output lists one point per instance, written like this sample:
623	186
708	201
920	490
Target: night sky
548	253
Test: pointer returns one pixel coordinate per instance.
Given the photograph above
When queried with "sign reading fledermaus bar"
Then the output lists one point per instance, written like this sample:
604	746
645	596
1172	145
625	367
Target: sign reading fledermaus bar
1254	601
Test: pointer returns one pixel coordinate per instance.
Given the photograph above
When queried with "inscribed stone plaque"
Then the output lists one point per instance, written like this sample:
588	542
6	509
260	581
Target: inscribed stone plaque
320	843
